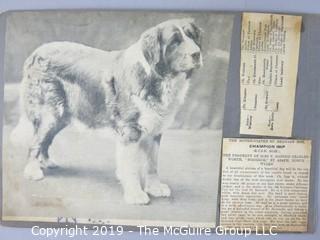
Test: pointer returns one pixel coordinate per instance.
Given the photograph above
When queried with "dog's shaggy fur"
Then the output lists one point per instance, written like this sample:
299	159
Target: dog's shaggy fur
135	91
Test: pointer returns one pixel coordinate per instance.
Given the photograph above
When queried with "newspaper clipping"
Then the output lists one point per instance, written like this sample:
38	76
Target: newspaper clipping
265	183
268	72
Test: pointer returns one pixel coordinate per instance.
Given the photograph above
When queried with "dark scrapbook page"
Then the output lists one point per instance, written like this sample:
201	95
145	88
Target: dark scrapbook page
190	122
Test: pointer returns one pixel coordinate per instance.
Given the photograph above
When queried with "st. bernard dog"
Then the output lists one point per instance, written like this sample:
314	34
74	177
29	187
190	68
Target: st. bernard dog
136	91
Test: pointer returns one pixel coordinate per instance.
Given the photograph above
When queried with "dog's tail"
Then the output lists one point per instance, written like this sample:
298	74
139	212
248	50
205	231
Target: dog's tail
22	134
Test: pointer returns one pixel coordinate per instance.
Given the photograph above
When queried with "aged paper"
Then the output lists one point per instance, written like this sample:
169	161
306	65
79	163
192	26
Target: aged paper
84	187
265	183
268	72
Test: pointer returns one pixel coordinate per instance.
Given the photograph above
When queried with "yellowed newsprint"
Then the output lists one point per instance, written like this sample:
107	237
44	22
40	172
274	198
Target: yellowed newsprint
265	184
268	73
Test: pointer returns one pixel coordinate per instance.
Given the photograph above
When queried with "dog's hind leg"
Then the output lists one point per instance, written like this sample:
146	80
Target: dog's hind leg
38	157
45	106
48	136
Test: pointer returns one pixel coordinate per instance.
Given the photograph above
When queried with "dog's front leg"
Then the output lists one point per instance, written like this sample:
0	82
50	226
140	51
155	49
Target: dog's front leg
153	185
130	159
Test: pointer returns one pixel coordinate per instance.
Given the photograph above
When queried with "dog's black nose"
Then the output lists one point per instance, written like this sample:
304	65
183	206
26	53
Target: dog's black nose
196	56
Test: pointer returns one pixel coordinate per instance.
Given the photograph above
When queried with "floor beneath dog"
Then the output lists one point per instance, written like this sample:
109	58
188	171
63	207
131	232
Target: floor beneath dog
85	186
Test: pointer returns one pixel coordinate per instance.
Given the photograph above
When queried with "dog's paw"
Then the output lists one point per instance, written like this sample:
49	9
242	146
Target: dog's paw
49	163
158	190
136	197
33	171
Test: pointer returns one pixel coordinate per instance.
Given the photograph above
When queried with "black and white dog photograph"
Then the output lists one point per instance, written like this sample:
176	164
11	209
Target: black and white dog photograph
114	116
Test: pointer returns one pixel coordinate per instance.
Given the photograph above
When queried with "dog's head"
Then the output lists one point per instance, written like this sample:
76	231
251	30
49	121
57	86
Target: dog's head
173	46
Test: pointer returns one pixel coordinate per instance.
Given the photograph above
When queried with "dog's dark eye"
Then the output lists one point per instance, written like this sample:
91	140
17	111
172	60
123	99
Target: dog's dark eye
176	39
190	34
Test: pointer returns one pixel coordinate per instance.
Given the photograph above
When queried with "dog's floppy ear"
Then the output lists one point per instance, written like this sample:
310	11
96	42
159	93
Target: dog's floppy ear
151	45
